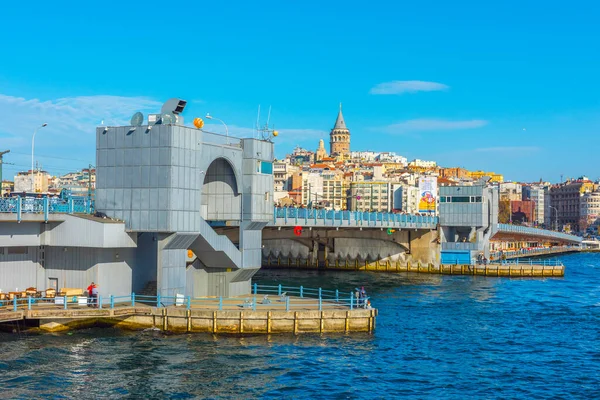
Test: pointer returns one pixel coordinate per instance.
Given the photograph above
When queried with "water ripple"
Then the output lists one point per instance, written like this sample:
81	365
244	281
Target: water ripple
450	337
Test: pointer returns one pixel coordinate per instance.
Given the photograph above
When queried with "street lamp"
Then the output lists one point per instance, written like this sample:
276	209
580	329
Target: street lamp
208	116
555	218
32	146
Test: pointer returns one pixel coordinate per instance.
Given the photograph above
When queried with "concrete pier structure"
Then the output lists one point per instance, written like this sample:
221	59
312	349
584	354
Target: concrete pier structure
160	185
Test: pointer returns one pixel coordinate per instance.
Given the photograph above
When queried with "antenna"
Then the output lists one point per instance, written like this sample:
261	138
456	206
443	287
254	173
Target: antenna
2	153
137	119
257	121
266	132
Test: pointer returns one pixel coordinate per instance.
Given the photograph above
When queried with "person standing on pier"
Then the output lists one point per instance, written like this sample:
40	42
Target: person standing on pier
90	296
95	296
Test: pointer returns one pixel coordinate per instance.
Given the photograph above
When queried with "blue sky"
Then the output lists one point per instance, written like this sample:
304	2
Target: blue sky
507	86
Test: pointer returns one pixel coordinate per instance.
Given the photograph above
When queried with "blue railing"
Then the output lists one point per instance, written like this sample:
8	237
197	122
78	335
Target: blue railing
526	230
46	205
332	298
303	298
315	216
498	255
543	263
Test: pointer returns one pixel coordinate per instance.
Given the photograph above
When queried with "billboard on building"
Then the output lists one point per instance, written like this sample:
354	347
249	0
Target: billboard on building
427	194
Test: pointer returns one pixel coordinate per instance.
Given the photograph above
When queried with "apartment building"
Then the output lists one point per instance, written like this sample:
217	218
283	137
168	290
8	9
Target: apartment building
370	196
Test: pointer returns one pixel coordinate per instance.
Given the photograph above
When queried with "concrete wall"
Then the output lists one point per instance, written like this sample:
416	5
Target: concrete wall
19	268
76	267
366	249
204	282
73	267
150	179
258	186
353	244
24	234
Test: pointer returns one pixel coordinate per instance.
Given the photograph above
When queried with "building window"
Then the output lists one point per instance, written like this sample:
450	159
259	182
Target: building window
17	250
266	167
460	199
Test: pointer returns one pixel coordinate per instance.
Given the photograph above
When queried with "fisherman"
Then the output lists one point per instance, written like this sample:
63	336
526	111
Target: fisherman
95	296
90	288
362	296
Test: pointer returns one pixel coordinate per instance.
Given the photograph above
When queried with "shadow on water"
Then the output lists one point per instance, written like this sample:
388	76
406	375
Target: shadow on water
436	337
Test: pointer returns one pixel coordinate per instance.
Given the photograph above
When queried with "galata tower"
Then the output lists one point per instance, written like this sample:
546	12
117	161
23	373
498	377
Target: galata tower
339	142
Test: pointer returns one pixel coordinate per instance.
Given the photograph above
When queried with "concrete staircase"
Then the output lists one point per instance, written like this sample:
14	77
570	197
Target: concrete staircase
214	250
149	290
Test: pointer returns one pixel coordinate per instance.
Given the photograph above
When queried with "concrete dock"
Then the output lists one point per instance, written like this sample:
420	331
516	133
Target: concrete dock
305	317
494	269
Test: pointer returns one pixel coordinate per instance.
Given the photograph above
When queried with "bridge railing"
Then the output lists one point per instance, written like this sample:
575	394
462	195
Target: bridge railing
497	255
288	298
332	298
526	230
46	205
317	215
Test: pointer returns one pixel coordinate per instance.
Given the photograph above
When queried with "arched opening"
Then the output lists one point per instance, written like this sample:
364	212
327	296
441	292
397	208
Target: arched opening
220	198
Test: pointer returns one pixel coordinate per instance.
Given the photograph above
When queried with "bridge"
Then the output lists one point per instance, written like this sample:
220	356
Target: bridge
308	217
327	236
518	232
324	232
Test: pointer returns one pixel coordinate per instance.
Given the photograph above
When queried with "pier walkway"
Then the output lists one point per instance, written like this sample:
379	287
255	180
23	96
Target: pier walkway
268	310
535	252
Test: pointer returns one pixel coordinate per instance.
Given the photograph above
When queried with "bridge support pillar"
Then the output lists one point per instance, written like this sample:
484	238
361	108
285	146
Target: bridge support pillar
423	246
323	252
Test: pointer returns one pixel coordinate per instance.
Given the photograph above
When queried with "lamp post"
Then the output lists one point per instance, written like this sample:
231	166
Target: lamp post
555	218
32	146
208	116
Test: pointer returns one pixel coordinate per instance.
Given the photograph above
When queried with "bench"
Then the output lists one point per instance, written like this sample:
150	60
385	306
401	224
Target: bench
69	292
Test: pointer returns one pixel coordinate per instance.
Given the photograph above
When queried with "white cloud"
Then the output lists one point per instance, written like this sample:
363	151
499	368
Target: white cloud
508	149
400	87
70	118
69	140
422	125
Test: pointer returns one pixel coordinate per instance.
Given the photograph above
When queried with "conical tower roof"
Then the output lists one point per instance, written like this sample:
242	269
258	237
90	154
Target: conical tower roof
339	122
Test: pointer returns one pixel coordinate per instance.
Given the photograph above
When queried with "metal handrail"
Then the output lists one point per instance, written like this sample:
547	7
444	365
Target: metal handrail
323	299
299	215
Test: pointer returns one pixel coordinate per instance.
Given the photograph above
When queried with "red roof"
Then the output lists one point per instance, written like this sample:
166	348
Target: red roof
322	166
